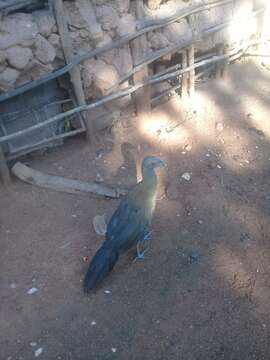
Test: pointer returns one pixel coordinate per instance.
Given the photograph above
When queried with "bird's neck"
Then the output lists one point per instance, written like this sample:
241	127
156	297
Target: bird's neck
149	176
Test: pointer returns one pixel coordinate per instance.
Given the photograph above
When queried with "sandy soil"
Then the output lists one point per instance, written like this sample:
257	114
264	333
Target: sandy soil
202	291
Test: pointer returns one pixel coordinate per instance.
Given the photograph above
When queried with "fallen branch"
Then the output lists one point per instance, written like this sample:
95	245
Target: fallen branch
62	184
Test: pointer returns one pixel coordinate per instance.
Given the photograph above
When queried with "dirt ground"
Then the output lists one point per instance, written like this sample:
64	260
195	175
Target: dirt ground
202	291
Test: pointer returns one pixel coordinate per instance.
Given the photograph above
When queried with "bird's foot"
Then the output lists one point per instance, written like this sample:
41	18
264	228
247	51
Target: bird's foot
148	236
140	255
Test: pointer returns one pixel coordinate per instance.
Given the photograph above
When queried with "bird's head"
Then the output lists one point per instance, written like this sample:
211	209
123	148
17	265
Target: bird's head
150	163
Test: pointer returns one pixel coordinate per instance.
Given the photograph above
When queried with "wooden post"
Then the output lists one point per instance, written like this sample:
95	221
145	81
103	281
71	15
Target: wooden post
139	47
191	78
184	86
69	54
226	62
4	170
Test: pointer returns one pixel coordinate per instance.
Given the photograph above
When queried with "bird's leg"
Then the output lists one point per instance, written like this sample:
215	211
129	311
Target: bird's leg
147	237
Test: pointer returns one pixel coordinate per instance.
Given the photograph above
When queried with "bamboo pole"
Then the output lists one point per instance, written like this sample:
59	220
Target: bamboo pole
191	76
184	80
69	55
139	47
4	170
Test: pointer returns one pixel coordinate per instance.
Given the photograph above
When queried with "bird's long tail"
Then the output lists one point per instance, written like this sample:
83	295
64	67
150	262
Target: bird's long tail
100	266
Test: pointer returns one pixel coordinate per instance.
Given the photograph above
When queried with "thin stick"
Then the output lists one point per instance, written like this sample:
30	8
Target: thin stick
59	183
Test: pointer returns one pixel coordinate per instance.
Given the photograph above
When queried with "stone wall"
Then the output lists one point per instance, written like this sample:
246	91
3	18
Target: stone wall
31	47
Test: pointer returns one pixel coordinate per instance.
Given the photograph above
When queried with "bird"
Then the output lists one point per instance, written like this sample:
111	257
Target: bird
129	226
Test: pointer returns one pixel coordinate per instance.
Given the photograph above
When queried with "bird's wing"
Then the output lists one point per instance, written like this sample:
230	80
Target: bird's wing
126	225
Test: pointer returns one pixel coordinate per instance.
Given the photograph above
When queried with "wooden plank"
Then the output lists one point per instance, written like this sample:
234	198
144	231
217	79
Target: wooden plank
75	74
139	48
4	170
59	183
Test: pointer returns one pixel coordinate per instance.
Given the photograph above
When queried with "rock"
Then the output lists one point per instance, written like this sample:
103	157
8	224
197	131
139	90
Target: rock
88	14
32	291
39	69
99	224
38	352
2	56
122	5
219	127
8	77
176	31
186	176
44	51
87	72
107	16
123	61
188	147
73	15
105	76
55	41
157	40
153	4
3	66
84	34
126	25
16	30
99	178
18	57
45	22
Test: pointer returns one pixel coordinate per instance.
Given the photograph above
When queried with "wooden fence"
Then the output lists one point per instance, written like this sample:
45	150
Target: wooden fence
139	72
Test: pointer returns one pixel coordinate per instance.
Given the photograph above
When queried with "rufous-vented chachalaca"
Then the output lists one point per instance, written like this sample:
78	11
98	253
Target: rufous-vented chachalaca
129	226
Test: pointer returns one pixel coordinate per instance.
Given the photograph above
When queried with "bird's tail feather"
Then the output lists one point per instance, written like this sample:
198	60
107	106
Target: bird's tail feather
100	266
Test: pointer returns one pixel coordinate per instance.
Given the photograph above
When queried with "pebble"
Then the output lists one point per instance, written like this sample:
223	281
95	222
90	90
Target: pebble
186	176
33	344
187	147
107	291
219	166
32	291
219	127
74	215
12	286
200	222
99	178
113	350
93	323
38	352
